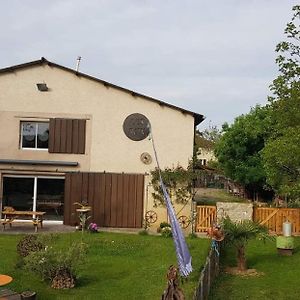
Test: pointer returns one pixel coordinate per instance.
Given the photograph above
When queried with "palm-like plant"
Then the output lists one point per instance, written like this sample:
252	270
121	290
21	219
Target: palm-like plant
239	233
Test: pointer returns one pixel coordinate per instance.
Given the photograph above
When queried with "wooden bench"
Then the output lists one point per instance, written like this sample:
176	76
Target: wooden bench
4	222
7	218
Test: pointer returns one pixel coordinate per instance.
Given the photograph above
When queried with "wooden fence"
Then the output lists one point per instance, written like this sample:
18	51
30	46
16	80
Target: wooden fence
208	274
273	218
206	215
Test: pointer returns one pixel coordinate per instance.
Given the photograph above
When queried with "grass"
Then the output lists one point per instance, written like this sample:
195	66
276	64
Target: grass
118	266
280	280
210	196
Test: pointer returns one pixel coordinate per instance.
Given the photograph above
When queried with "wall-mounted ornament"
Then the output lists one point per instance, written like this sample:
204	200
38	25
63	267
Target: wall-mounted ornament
151	216
146	158
136	127
184	221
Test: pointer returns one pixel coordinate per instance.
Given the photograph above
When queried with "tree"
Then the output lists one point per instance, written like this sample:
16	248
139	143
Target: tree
281	155
212	133
238	150
282	163
238	234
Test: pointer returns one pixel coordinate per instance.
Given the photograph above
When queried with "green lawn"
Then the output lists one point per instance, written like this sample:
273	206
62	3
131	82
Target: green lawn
210	196
280	280
118	266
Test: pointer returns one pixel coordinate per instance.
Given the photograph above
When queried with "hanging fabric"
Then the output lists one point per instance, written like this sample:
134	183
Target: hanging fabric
184	258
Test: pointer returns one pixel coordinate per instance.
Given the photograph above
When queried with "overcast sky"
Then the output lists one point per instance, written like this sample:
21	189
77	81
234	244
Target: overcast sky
213	57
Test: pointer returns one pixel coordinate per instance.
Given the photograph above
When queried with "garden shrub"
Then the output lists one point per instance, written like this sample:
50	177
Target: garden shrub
166	231
28	244
163	225
57	266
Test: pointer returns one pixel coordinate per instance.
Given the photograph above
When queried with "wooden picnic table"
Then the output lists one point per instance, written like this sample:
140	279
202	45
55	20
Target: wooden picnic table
11	215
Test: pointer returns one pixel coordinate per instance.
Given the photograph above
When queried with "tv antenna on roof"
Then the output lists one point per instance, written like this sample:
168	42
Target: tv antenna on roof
78	63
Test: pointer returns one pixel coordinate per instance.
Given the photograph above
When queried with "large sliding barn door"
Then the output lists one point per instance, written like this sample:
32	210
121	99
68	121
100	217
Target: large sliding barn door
116	199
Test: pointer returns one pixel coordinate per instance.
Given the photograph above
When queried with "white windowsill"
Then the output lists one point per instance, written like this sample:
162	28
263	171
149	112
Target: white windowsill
35	149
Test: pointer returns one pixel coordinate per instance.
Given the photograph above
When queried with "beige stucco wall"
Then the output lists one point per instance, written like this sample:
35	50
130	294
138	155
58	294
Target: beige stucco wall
180	209
206	154
105	108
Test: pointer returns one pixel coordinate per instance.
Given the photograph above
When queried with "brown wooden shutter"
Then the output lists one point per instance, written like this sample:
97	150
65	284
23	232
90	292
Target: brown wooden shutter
67	136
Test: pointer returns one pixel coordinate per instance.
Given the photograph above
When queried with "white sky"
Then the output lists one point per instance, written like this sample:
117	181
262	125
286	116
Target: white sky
213	57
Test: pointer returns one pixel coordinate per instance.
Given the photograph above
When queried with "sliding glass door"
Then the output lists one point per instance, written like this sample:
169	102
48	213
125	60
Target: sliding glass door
35	193
50	197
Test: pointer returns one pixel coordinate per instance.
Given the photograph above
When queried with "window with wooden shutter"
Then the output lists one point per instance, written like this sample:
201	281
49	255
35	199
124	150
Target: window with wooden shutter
67	136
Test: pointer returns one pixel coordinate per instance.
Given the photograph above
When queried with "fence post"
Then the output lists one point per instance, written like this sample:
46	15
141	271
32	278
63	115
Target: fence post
201	287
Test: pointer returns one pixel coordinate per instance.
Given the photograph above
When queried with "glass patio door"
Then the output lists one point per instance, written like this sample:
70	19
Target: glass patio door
18	193
35	193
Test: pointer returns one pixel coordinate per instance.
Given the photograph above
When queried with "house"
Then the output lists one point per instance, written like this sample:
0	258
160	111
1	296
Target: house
69	137
205	150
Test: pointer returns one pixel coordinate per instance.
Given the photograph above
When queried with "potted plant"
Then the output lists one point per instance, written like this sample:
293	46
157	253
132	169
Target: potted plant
28	295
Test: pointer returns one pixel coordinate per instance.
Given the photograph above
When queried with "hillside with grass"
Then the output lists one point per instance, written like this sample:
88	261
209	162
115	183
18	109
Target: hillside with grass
210	196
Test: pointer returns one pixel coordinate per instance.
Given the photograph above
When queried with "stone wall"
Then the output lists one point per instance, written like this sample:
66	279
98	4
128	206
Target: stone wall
235	211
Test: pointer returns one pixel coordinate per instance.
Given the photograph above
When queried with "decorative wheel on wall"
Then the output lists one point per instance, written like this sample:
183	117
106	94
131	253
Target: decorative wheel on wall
146	158
184	221
151	216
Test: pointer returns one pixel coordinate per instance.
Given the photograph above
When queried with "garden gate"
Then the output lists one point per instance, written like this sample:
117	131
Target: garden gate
206	215
116	199
273	218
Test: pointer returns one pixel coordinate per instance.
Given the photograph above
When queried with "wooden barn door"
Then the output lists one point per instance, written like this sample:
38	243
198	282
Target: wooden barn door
116	199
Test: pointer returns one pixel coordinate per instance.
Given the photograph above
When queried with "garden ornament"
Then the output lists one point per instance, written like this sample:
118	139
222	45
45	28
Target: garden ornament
173	292
217	235
83	214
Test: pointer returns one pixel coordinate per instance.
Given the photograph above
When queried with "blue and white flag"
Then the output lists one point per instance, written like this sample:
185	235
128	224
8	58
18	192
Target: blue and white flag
182	252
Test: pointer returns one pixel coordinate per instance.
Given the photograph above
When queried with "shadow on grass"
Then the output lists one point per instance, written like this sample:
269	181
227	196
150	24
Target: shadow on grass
84	281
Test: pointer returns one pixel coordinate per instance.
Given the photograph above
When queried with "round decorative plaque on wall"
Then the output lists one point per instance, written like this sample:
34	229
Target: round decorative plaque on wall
136	127
146	158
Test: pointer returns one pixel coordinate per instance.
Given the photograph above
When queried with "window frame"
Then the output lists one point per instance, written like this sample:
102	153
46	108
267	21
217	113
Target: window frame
36	148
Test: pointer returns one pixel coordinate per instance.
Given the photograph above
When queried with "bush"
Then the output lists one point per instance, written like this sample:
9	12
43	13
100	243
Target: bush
166	232
57	266
164	224
28	244
295	203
